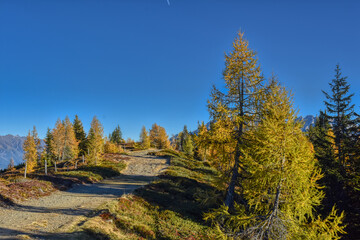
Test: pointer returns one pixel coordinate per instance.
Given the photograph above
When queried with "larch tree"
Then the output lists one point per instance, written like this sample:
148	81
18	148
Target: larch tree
281	189
163	139
158	137
80	135
57	141
71	149
243	83
95	139
30	154
144	138
154	135
201	140
37	140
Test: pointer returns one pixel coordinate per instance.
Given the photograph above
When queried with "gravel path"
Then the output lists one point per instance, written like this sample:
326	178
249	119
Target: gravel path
39	218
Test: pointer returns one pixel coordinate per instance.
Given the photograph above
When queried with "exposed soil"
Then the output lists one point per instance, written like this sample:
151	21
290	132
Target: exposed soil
44	218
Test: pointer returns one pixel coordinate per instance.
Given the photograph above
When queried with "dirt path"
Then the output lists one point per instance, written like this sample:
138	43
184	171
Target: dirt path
39	218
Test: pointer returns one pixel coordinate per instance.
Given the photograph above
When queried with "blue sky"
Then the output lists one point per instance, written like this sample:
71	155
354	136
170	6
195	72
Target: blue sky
136	62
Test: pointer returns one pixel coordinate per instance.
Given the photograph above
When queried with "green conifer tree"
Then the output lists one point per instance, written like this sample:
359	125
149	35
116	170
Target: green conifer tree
116	136
187	144
80	135
340	111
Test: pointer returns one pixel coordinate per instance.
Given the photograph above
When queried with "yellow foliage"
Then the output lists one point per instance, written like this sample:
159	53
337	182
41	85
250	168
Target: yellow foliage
110	147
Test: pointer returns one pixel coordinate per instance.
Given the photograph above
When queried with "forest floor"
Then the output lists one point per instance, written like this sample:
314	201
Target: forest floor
47	217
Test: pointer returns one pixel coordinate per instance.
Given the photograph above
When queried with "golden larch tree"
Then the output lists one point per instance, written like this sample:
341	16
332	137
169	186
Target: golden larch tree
30	154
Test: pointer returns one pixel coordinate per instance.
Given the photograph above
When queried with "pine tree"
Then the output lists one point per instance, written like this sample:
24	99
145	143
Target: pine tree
48	151
48	144
341	113
187	145
243	82
80	135
281	189
116	136
144	138
57	141
30	154
95	139
322	138
184	135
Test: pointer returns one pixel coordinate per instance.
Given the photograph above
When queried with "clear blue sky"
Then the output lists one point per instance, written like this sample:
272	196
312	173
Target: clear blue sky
136	62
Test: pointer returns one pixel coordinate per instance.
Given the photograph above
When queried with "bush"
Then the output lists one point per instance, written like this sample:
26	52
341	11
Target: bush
112	148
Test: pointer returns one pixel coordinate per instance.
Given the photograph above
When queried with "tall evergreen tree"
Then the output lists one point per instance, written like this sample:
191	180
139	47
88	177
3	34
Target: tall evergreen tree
322	138
184	135
243	82
80	135
48	143
187	145
116	136
340	111
95	139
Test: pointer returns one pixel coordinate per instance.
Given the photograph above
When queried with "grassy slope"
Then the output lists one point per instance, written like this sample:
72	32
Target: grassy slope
168	208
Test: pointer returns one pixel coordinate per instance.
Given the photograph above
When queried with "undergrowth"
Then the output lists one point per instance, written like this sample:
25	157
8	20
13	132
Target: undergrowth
171	207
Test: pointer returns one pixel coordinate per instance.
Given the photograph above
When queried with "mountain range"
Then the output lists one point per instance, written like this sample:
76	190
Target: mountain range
11	147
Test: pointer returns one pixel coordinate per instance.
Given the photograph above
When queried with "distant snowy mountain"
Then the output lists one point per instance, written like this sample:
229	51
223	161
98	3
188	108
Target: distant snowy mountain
309	120
11	147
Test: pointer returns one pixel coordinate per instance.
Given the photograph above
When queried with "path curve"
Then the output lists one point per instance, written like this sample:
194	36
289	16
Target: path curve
40	217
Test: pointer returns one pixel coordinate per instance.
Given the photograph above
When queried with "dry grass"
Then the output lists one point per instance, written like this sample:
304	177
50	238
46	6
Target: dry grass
169	208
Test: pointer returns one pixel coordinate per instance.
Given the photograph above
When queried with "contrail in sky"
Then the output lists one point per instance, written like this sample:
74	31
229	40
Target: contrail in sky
168	1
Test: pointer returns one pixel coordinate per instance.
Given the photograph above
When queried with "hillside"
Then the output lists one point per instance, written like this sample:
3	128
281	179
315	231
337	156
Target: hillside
11	147
170	207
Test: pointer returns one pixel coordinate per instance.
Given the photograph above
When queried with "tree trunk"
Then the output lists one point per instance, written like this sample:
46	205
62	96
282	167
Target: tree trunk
229	200
83	159
45	166
25	169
